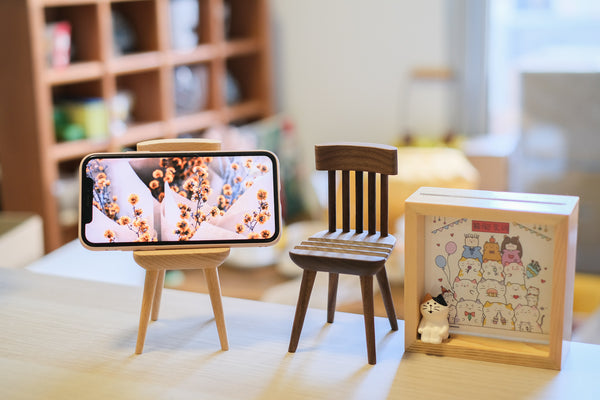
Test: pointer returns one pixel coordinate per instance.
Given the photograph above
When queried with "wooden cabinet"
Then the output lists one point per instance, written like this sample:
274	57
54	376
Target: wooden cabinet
232	52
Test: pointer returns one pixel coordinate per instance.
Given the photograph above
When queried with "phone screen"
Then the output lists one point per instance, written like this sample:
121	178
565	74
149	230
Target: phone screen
171	199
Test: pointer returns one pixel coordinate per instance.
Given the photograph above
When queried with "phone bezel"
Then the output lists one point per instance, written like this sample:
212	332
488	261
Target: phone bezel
180	244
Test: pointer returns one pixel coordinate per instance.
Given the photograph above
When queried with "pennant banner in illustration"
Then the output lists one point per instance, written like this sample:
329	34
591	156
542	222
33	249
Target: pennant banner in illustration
447	226
530	230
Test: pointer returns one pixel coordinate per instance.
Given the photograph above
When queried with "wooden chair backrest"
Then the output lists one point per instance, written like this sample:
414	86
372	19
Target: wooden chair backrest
374	159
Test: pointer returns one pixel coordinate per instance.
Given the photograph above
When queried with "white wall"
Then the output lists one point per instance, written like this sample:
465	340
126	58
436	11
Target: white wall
341	65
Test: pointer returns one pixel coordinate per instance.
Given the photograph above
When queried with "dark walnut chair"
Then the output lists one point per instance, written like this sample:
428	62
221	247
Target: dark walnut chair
350	251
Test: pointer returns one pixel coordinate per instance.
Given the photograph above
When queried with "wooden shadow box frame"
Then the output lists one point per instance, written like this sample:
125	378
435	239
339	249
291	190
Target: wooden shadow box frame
532	216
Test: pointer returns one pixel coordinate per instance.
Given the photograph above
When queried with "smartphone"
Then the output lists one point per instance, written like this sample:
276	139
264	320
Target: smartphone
153	200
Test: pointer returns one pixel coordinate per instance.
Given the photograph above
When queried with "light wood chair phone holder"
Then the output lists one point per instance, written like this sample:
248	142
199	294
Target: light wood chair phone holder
157	262
346	251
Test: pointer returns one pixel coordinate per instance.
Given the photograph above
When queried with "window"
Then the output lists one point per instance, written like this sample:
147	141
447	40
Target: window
536	36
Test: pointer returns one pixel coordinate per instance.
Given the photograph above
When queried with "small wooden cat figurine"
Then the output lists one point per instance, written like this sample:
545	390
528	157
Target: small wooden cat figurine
434	323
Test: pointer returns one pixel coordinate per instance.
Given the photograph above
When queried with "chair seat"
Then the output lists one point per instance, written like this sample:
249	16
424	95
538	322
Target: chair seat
344	252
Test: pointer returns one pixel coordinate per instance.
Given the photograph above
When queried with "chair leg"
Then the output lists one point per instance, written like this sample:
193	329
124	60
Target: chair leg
308	280
160	282
147	299
366	286
332	296
214	290
386	293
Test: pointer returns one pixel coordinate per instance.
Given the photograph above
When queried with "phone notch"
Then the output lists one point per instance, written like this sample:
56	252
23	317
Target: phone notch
87	197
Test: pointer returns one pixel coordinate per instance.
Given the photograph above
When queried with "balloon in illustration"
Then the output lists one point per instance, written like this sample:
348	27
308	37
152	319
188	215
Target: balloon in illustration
450	248
440	261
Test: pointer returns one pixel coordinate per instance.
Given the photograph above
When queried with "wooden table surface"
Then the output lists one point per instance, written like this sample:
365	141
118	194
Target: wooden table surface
62	338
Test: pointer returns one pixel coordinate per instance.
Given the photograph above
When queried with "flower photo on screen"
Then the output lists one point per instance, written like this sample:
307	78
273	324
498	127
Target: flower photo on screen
174	199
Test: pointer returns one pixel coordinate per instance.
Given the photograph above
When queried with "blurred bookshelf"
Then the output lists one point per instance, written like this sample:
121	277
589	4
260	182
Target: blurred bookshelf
127	66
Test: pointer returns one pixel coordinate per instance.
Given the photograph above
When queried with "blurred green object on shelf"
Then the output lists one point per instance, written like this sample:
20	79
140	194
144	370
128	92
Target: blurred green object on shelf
81	118
73	132
64	129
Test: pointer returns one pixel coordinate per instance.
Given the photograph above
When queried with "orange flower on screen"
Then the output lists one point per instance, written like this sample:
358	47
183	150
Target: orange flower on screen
182	224
262	218
124	220
145	237
111	210
261	194
110	235
190	184
178	162
133	199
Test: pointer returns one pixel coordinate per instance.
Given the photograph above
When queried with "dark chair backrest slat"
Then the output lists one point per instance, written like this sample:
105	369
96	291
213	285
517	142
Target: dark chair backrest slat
331	197
383	208
346	201
372	205
359	203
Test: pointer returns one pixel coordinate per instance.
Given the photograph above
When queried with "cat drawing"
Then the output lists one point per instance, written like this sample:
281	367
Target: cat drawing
514	273
511	250
469	268
491	291
526	319
465	289
491	251
498	315
469	312
516	294
533	296
451	302
493	270
471	249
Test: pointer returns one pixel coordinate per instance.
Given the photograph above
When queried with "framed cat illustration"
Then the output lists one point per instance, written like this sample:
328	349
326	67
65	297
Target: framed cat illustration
504	266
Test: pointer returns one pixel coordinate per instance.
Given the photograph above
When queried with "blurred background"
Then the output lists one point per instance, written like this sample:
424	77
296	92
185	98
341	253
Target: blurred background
497	95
